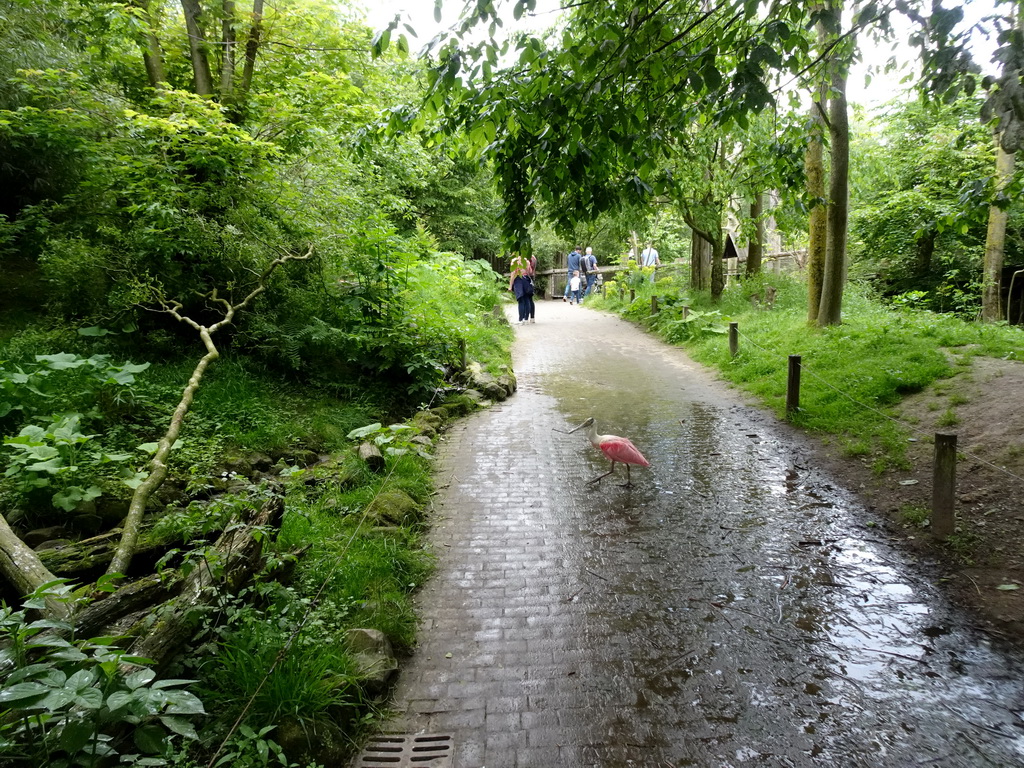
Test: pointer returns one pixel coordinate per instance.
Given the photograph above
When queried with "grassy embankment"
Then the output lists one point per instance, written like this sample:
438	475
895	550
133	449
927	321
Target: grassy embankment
276	650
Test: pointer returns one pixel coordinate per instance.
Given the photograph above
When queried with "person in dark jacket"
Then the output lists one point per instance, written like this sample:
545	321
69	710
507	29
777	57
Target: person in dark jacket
572	265
521	284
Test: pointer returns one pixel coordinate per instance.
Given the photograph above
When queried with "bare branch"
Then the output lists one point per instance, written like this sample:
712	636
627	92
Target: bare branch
158	464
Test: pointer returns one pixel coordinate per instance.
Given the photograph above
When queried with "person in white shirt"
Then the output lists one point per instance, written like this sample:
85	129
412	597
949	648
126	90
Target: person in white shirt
649	257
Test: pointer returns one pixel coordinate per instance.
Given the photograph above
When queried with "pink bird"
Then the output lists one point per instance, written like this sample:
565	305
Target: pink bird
617	449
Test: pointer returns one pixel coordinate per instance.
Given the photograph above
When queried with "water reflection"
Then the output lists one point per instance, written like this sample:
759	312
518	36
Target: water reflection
731	609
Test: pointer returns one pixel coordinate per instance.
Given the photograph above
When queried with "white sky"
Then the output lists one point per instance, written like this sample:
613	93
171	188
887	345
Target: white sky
883	87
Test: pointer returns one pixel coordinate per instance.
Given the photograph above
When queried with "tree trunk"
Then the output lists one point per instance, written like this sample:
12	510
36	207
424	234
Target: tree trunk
755	251
197	47
252	46
995	242
834	279
227	64
24	571
152	53
814	163
925	249
717	267
700	262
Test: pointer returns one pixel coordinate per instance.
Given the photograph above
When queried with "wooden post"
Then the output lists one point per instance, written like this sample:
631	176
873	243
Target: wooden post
734	339
620	292
632	295
654	305
686	311
793	386
463	356
944	485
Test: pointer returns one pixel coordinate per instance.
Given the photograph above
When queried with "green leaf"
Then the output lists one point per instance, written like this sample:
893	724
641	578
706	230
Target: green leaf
119	700
140	678
61	362
22	693
180	726
362	432
51	465
184	703
89	698
172	683
1008	587
82	679
150	738
76	735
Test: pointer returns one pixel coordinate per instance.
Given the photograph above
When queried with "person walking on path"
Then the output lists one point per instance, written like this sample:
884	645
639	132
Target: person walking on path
521	284
589	262
531	272
572	265
649	257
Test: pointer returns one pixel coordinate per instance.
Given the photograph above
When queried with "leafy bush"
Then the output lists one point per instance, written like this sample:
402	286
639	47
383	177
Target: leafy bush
59	456
72	704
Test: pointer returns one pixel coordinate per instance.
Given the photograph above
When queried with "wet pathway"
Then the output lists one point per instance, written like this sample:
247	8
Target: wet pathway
733	609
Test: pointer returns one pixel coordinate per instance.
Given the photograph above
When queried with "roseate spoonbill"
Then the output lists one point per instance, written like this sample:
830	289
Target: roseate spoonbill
616	449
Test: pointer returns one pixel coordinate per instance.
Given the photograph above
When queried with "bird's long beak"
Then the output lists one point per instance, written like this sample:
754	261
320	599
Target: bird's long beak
576	429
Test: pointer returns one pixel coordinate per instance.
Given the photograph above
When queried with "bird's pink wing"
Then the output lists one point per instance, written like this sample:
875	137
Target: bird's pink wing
622	450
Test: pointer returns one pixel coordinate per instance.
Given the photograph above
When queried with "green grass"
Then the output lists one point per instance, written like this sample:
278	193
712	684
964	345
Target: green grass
852	374
915	515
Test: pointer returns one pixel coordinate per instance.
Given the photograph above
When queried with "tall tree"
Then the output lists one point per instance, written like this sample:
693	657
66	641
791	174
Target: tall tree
1009	136
834	276
228	43
152	51
755	251
197	47
995	239
814	163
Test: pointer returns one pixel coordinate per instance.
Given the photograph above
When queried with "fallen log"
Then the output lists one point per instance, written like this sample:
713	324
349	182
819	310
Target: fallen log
24	570
371	454
87	557
228	565
99	616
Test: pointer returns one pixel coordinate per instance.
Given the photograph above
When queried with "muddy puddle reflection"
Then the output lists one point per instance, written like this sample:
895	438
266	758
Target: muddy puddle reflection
735	607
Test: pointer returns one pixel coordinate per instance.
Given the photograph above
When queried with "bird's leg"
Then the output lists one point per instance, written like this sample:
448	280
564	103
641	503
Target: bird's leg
626	484
599	478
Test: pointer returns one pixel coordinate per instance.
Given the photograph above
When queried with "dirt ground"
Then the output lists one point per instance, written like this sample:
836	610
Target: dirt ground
982	565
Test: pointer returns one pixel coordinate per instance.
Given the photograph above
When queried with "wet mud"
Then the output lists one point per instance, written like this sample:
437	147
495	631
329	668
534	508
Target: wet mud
734	608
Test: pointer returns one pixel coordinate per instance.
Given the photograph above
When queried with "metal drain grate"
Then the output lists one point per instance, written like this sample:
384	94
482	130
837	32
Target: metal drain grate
401	751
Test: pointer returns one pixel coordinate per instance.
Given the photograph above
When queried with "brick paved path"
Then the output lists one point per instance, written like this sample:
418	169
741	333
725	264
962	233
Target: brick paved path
725	612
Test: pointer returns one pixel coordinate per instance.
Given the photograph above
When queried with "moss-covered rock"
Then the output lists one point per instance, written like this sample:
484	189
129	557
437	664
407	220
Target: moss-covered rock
460	405
342	470
427	423
392	507
443	412
371	650
319	741
508	382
